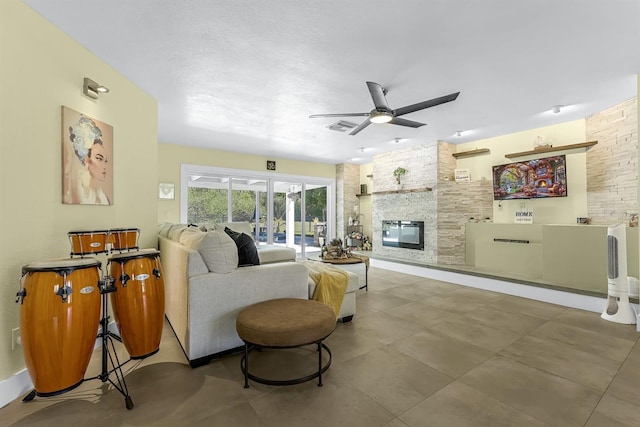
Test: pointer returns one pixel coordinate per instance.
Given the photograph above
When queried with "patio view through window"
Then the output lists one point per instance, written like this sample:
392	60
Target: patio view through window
284	210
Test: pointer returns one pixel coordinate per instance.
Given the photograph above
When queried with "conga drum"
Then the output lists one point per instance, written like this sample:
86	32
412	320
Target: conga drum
124	239
138	302
88	242
59	320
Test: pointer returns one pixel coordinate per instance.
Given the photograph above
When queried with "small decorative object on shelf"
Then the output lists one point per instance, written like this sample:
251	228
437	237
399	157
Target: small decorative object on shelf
462	175
540	143
354	239
398	173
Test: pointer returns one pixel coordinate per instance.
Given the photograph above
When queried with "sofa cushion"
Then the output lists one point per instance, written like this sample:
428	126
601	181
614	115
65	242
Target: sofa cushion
269	254
218	251
247	253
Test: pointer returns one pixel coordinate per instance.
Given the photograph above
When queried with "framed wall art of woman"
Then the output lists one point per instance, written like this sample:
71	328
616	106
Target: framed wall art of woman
87	160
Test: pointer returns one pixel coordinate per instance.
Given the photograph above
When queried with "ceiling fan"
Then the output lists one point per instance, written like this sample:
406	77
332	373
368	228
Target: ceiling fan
383	114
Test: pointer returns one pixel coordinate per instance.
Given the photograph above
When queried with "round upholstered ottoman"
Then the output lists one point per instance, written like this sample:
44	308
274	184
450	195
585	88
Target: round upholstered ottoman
285	323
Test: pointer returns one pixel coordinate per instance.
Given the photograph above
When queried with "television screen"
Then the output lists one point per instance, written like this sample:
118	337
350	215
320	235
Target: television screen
539	178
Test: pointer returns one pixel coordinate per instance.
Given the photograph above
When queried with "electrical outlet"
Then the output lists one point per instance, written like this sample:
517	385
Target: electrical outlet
15	338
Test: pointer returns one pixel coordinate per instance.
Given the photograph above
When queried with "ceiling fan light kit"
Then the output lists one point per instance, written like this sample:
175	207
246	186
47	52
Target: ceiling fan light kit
381	117
382	113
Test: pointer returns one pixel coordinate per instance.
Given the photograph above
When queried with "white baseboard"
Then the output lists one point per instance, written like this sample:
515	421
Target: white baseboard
567	299
20	384
15	386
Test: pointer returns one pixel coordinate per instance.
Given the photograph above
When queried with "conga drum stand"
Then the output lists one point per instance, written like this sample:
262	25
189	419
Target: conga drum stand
109	354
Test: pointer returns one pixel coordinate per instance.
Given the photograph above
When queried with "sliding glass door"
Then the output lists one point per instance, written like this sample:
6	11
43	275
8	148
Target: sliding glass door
249	203
291	211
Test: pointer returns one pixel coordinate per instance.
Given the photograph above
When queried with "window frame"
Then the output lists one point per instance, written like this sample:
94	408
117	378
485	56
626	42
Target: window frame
270	177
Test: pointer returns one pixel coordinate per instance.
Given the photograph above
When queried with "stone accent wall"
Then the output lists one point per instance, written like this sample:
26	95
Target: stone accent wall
446	162
612	164
347	186
457	202
420	161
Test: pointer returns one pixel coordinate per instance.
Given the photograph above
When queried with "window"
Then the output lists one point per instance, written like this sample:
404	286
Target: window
289	210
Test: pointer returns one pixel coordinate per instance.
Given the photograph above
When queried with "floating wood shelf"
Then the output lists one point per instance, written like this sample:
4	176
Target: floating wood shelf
470	152
370	176
586	145
414	190
361	195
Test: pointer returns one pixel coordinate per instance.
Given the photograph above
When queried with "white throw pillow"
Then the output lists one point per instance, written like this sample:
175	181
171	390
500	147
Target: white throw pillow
176	231
164	229
219	252
191	237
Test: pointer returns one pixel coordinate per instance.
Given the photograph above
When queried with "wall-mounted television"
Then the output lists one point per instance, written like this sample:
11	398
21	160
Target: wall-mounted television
531	179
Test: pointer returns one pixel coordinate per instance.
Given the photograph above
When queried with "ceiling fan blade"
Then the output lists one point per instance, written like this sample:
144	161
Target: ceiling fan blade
405	122
362	126
315	116
377	93
426	104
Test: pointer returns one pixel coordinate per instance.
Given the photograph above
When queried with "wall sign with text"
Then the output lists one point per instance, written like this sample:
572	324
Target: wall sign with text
524	217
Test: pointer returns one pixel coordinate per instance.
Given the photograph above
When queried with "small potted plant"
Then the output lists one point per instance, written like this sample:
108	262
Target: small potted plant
398	173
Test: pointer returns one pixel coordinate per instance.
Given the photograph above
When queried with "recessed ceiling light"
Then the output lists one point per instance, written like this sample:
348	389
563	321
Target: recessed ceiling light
556	109
458	133
396	140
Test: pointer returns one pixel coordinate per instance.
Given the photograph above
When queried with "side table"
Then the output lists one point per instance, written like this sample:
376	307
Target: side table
351	264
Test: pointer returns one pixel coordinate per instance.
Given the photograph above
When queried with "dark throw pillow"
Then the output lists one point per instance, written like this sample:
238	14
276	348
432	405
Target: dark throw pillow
247	252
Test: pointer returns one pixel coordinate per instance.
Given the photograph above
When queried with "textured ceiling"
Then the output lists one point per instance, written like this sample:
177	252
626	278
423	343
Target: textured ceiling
244	76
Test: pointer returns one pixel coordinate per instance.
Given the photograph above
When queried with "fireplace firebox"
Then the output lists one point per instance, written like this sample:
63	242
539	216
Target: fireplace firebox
403	234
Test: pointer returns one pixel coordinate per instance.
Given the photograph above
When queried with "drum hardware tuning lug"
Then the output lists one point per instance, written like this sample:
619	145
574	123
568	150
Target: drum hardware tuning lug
124	279
156	273
64	292
20	296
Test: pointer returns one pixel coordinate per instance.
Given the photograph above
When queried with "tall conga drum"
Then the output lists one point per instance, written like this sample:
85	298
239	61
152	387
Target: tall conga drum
59	320
138	302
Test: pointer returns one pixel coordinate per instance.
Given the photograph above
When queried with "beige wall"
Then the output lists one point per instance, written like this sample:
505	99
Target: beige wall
563	210
171	156
41	70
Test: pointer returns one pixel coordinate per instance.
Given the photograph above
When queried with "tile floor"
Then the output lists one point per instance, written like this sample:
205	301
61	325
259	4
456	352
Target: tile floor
418	353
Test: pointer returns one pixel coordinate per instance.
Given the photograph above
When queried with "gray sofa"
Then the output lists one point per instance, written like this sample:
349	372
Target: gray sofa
205	289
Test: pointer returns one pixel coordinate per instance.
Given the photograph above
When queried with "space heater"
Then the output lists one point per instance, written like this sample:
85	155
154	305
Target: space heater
618	308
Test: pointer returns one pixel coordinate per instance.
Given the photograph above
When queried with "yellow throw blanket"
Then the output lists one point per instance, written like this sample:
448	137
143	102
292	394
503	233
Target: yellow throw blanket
331	283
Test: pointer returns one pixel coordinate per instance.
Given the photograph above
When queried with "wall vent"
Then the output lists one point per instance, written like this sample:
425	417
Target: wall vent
342	126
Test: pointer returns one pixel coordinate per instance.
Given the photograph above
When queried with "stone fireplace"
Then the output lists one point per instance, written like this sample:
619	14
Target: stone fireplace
428	194
416	206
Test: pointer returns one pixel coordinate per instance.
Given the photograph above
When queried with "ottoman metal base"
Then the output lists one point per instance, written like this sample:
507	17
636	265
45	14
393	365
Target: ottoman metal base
244	366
